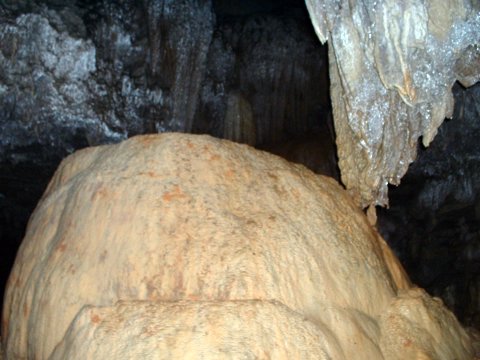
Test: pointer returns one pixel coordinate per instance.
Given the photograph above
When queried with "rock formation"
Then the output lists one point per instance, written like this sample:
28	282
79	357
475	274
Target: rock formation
80	73
84	73
277	65
316	152
433	219
239	124
392	66
184	245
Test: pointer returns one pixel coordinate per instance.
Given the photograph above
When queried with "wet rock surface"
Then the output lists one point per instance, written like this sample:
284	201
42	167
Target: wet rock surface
392	66
433	219
80	73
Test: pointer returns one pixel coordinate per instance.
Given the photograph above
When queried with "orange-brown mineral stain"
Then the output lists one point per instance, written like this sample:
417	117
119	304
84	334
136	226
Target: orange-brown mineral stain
100	193
175	193
229	173
13	281
272	176
150	174
407	343
62	247
193	297
147	139
149	331
408	89
95	319
215	157
152	291
295	193
71	269
25	310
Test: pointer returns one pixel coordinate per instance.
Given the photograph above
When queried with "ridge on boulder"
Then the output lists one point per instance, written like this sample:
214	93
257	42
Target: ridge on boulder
185	245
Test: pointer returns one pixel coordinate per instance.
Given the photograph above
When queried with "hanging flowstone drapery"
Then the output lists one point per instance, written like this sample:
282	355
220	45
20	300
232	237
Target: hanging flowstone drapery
392	66
179	246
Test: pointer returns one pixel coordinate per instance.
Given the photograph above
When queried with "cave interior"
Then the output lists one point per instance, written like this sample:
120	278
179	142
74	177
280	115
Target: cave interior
85	73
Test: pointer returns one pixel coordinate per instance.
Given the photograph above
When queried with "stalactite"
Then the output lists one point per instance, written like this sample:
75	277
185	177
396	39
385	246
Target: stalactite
392	66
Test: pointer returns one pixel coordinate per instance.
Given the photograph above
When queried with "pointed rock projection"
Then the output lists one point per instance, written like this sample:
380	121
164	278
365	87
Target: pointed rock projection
186	246
392	67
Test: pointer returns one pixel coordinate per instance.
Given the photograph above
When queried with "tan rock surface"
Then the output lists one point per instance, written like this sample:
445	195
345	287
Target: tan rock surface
415	326
208	223
196	330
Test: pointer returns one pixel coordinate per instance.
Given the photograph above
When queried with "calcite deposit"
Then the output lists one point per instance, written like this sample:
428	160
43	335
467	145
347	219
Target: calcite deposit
183	246
392	68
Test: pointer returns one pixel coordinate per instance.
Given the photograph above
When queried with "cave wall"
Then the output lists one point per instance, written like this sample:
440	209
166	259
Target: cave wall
84	73
275	65
121	69
81	73
434	215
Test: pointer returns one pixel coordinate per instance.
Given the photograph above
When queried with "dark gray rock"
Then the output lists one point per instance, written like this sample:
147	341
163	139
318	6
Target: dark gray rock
434	218
276	64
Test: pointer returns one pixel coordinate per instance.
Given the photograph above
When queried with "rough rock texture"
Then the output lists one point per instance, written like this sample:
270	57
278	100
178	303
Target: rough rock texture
134	68
434	215
392	66
196	330
275	64
82	73
316	152
209	225
89	73
239	124
433	222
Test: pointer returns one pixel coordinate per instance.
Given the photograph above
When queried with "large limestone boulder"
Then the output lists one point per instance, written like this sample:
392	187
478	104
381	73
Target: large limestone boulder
183	246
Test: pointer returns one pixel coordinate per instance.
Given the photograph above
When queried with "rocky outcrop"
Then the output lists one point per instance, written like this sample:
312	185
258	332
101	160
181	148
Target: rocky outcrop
89	73
239	124
276	64
85	73
170	243
316	152
433	222
392	67
80	73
